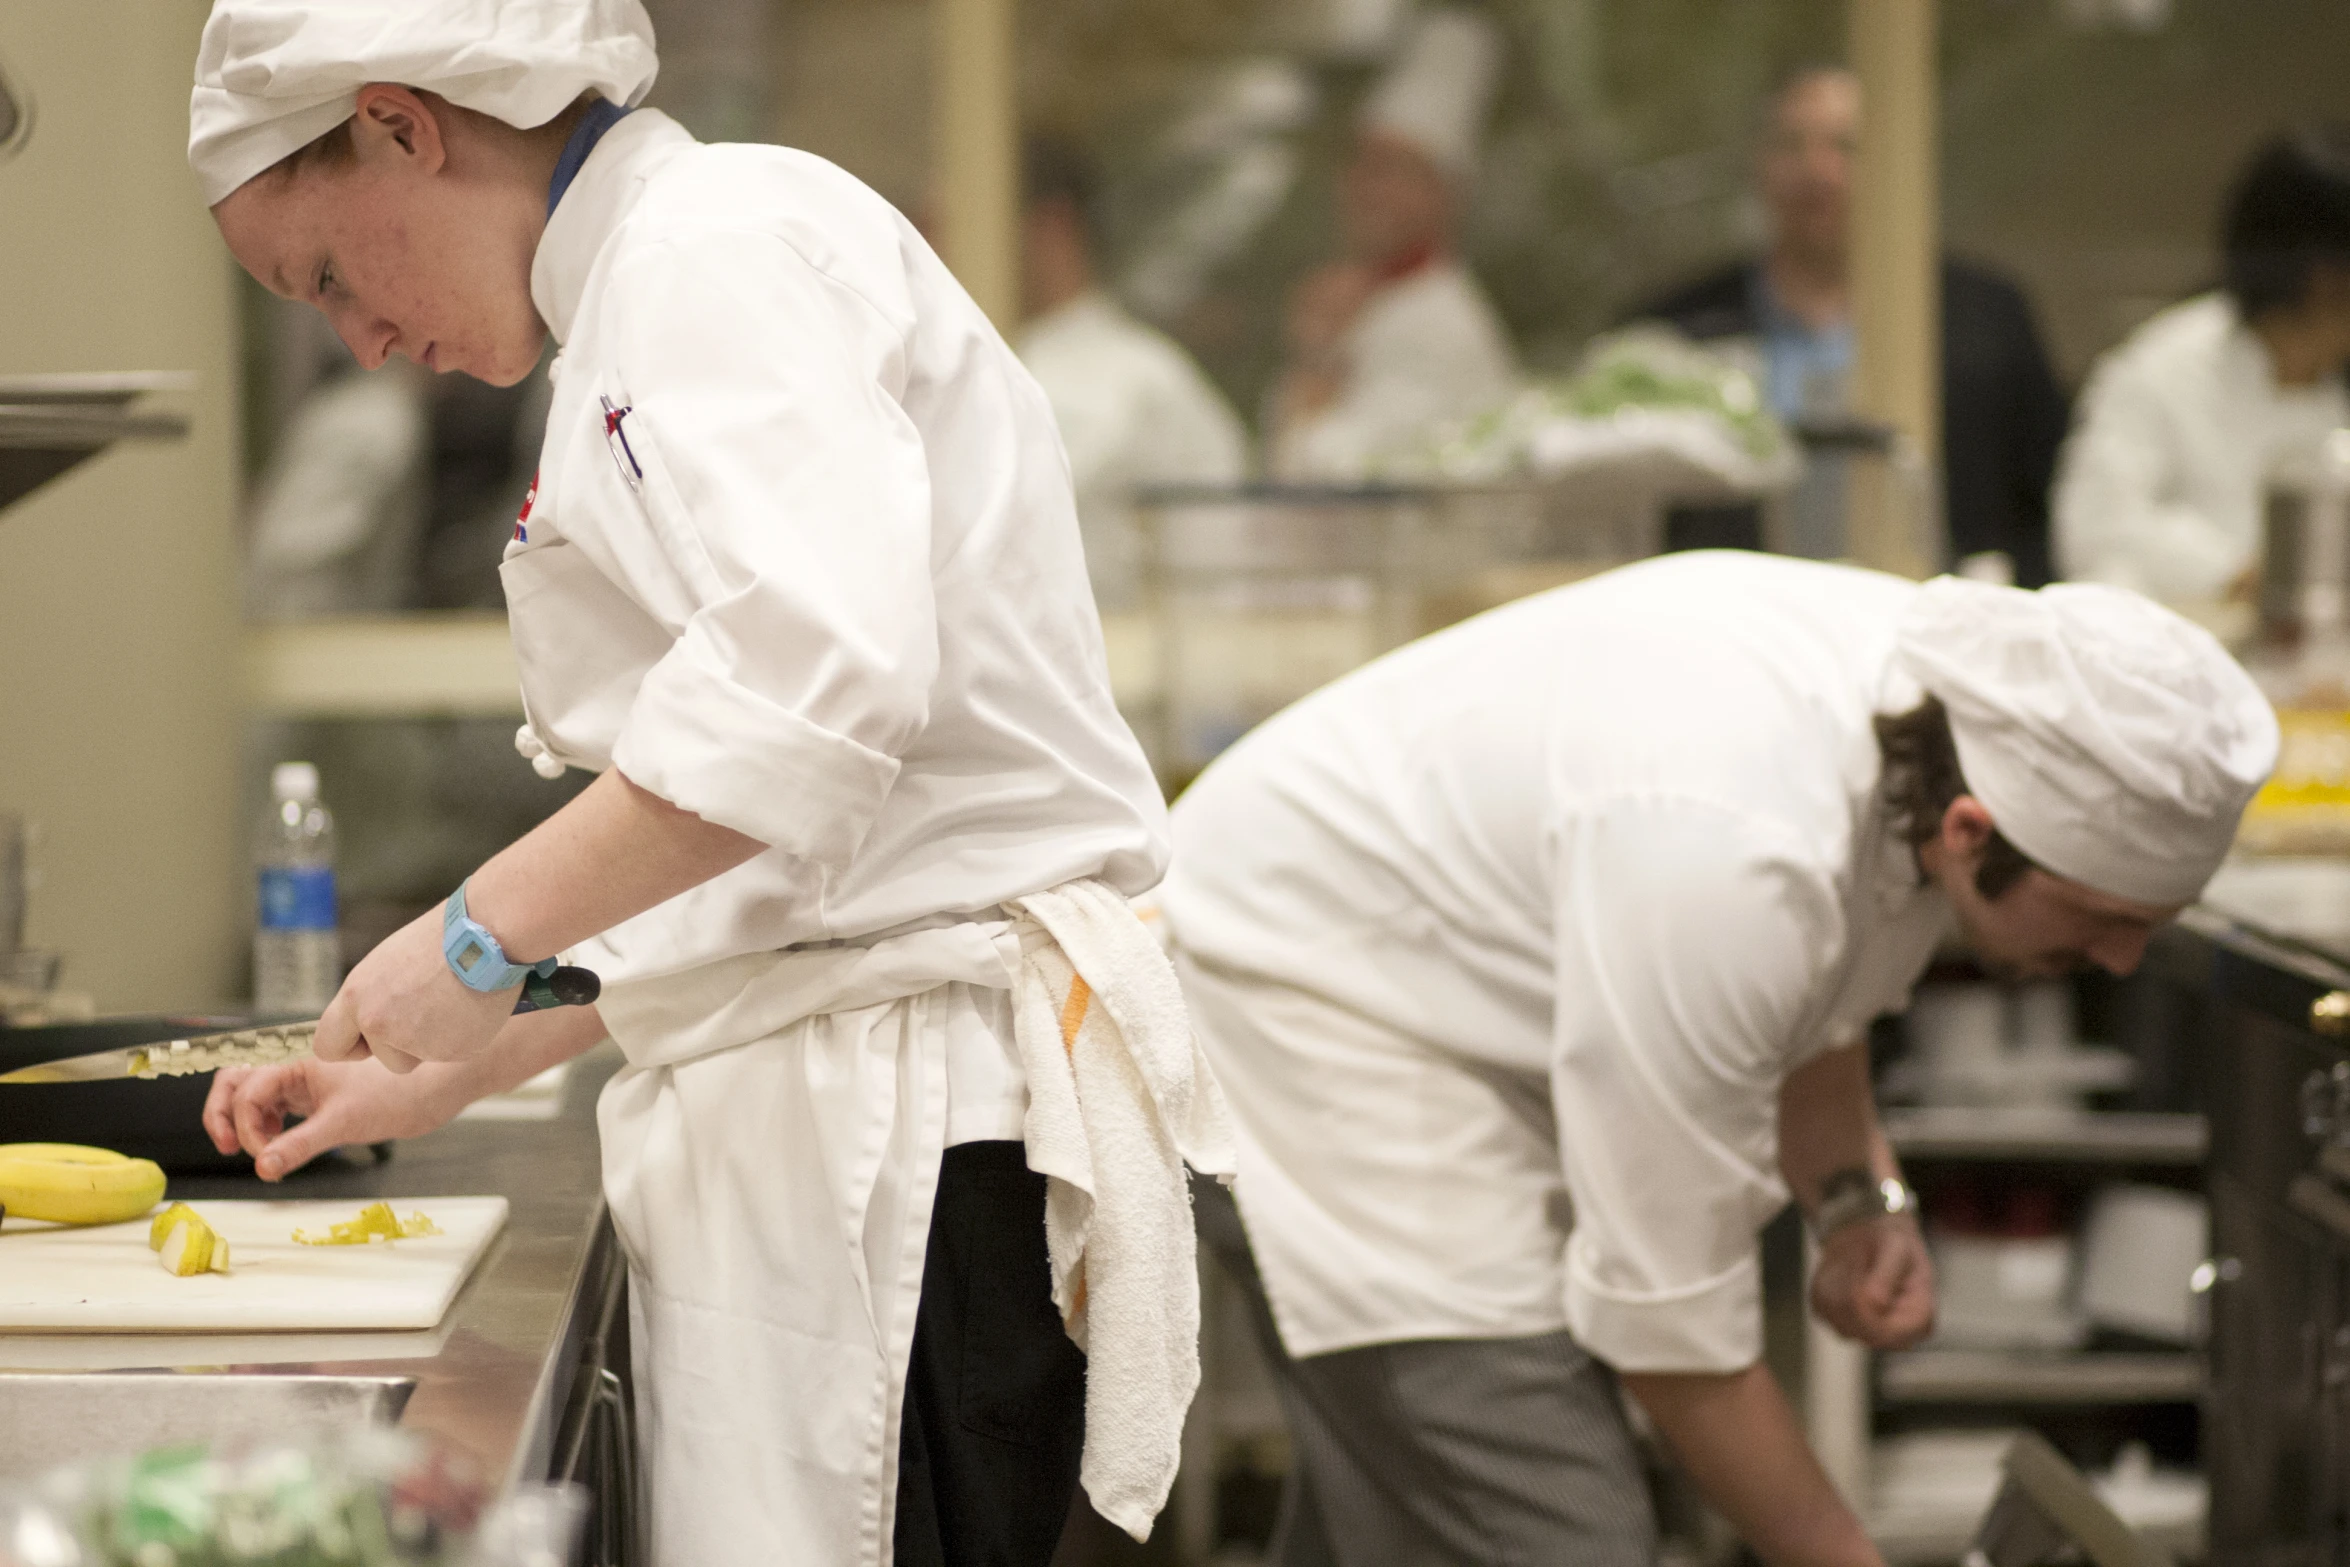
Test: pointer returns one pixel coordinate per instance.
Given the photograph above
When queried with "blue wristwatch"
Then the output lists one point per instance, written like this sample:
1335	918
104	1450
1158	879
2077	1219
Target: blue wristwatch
474	954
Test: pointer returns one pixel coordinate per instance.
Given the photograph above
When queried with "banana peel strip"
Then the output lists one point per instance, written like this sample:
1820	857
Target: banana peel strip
376	1222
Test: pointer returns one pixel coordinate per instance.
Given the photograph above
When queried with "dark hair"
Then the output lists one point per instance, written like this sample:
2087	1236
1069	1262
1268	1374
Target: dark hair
1921	777
1055	170
2288	213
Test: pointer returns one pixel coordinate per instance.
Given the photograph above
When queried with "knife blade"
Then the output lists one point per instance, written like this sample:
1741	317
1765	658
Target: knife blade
266	1045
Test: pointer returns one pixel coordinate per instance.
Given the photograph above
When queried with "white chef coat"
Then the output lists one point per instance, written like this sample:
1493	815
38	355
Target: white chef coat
802	558
1427	348
1133	409
1502	946
2161	482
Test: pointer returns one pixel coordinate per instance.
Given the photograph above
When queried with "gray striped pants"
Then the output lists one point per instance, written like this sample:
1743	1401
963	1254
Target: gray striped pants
1508	1452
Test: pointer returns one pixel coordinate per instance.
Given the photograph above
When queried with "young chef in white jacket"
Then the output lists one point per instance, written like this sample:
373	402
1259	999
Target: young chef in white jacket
2160	485
1535	960
1133	407
800	579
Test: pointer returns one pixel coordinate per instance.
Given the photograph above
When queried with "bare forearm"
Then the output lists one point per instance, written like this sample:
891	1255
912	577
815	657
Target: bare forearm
1828	1122
1740	1443
609	855
525	1047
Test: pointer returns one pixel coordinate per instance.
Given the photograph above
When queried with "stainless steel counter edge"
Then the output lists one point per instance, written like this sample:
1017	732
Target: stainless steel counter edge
495	1377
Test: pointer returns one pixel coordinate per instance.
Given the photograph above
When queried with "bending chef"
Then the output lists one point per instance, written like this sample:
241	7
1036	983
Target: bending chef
800	578
1535	960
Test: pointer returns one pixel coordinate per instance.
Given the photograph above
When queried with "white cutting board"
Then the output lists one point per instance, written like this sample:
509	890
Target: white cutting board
103	1279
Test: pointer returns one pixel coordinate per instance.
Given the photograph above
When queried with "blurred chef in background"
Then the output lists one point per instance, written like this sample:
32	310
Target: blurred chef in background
1536	996
1133	407
1397	336
343	499
2003	414
2183	423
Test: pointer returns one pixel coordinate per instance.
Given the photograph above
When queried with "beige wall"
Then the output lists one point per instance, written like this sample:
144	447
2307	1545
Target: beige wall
119	723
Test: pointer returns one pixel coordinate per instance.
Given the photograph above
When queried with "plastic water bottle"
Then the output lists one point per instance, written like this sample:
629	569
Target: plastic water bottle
297	957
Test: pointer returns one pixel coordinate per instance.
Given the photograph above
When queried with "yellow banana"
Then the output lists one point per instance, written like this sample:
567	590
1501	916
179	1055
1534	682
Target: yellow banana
191	1247
165	1220
64	1183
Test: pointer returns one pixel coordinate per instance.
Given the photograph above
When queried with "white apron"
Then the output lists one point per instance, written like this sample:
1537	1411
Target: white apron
774	1201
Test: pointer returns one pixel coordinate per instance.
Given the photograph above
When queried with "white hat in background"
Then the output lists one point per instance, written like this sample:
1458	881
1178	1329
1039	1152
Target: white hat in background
1440	87
273	76
2114	742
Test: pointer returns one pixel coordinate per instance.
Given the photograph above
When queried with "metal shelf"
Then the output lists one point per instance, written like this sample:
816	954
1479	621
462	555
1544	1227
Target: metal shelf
2055	1135
2080	1377
50	424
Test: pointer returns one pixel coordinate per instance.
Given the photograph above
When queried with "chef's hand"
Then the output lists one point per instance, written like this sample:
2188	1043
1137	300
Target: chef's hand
402	1005
344	1103
1321	309
1875	1282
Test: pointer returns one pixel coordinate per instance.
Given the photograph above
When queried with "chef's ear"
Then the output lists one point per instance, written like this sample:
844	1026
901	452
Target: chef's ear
394	125
1967	827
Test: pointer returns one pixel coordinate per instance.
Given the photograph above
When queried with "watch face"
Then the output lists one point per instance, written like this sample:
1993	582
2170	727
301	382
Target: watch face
470	954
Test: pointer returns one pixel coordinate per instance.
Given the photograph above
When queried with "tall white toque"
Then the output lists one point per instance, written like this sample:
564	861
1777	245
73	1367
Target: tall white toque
2114	743
1437	93
272	76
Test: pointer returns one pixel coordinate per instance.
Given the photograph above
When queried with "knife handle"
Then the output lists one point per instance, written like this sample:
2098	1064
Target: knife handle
566	987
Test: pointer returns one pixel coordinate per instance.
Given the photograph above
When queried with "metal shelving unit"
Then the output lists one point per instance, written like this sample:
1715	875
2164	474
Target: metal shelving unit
2039	1135
1851	1388
2073	1377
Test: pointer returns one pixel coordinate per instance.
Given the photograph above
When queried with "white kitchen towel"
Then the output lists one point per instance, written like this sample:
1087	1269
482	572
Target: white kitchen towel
1120	1100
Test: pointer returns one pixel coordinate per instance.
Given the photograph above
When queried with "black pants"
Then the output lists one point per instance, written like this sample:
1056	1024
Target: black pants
995	1400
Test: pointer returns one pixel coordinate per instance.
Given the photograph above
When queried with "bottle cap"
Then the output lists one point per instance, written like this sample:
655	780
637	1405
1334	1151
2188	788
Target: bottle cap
293	781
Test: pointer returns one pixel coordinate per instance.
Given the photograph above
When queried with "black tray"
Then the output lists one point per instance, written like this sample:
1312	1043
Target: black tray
160	1120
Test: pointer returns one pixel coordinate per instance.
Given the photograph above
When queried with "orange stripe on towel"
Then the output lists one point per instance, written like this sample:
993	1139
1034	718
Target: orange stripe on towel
1073	1011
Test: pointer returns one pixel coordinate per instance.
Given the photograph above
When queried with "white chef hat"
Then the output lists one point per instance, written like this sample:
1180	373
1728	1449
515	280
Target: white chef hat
1437	92
2113	742
274	75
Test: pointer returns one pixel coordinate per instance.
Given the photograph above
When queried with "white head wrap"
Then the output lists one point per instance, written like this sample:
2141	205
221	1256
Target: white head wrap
2113	742
273	76
1437	92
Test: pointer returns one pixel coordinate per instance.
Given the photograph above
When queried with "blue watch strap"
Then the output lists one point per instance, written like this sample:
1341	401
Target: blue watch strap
474	954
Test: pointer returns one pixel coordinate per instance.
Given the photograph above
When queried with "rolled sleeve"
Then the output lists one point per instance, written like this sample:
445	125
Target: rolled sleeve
784	530
1713	1325
702	740
1691	941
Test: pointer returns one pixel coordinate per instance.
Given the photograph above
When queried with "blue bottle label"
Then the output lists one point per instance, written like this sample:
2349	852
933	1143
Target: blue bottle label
298	898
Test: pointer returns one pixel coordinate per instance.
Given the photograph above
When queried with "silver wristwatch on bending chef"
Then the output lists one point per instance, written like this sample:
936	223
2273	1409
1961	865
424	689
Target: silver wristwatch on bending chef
1853	1196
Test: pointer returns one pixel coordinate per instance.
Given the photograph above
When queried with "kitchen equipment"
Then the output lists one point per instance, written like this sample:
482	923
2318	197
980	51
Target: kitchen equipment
264	1045
16	117
2140	1247
1980	1043
13	878
2005	1291
51	423
104	1278
2047	1511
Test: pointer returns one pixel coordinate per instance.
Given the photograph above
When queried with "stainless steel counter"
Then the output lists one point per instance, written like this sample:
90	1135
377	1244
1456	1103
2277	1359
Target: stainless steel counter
496	1377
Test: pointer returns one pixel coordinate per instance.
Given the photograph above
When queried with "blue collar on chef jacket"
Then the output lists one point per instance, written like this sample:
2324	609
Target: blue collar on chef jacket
601	116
